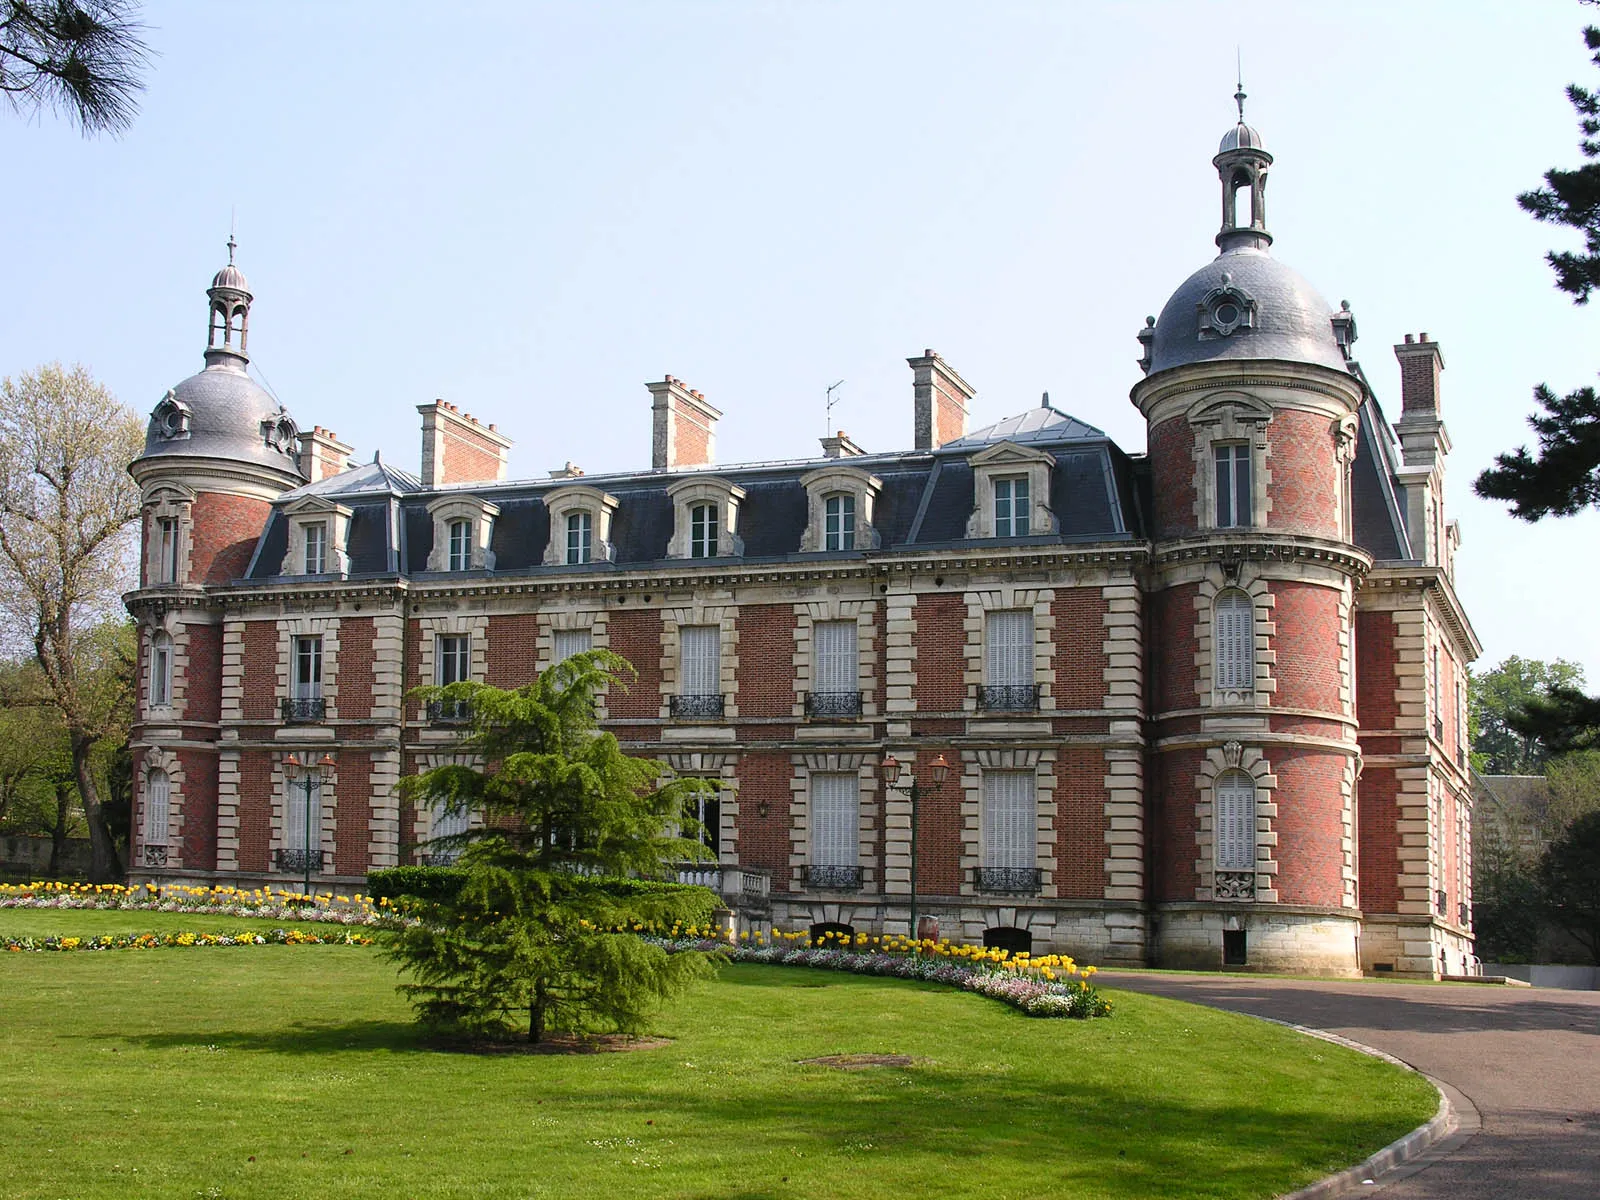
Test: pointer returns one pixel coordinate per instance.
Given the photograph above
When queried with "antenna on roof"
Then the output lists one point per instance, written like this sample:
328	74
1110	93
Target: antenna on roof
827	412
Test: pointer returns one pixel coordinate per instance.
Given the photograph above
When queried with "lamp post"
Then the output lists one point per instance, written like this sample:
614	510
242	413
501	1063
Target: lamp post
893	771
312	770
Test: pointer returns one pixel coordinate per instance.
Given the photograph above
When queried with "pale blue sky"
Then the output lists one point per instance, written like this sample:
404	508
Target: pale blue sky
529	210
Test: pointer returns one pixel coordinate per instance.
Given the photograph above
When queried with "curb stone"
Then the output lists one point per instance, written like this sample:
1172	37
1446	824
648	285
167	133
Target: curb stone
1455	1121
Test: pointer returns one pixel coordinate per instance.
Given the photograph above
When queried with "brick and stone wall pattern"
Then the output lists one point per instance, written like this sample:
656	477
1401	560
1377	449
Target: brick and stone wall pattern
940	827
1307	646
202	668
764	841
468	458
766	656
256	773
1310	826
1172	477
1175	824
636	635
941	645
511	659
1081	659
352	810
260	671
356	670
1378	840
199	809
1171	643
225	531
1305	474
1080	824
1375	675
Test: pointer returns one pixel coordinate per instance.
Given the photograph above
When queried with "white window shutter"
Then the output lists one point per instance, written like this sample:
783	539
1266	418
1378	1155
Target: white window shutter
1010	819
447	823
837	666
835	819
294	813
1233	822
1233	642
701	647
568	642
157	807
1010	654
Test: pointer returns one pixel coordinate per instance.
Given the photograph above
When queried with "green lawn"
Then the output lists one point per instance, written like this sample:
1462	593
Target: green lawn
49	922
284	1072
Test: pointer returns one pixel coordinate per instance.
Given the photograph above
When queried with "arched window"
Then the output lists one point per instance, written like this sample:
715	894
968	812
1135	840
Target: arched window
157	807
161	670
460	554
1233	643
1233	821
839	522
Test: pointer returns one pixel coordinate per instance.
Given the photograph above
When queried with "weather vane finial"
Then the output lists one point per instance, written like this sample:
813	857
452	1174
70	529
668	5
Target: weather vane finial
1238	97
233	221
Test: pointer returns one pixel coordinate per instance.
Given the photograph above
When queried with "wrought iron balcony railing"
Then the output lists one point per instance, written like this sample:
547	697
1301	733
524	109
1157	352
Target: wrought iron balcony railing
833	704
691	707
1438	729
449	712
1008	879
1008	697
833	879
1234	885
297	860
1441	902
1464	913
155	856
304	710
438	858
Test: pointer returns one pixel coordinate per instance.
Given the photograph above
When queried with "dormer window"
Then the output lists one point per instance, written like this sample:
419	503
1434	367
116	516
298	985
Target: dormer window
461	545
839	522
839	505
1011	484
580	526
1012	510
462	529
706	518
316	551
703	531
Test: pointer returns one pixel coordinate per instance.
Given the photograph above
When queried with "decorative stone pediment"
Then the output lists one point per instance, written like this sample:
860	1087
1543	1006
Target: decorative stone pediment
479	514
861	486
305	512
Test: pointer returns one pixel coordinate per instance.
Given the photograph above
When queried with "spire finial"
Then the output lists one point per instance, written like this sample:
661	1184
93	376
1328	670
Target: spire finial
233	225
1239	96
232	245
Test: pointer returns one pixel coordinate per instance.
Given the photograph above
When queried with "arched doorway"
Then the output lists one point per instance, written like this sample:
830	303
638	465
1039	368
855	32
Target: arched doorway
1006	937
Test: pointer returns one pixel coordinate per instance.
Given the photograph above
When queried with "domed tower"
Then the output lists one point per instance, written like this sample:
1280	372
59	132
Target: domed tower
1251	410
217	452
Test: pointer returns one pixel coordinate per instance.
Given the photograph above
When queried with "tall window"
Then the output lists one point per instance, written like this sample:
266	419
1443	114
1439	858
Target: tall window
835	819
567	642
160	670
452	659
448	821
1233	642
460	558
701	648
316	548
580	537
157	807
1008	662
1010	820
1233	486
707	810
839	522
1438	711
1012	508
837	661
1233	821
703	531
307	668
167	563
302	813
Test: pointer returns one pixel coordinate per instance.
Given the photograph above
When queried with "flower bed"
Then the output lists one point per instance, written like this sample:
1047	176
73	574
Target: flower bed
155	941
275	905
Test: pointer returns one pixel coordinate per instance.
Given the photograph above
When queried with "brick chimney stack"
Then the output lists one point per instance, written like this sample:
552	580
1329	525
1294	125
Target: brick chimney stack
940	397
683	431
1420	428
457	448
322	454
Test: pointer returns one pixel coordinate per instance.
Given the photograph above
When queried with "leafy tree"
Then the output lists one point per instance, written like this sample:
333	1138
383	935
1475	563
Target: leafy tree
1497	699
527	944
1569	875
68	510
81	57
1506	903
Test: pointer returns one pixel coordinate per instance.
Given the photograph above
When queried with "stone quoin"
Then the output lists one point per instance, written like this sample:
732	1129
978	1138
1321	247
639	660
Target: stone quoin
1199	707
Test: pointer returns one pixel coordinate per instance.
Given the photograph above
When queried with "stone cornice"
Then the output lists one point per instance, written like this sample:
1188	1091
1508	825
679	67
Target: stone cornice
1262	547
1434	580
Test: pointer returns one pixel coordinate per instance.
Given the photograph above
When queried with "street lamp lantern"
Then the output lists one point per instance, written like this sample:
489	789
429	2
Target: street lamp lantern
893	771
941	771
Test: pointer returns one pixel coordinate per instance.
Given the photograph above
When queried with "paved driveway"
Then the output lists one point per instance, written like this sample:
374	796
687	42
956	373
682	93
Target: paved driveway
1528	1058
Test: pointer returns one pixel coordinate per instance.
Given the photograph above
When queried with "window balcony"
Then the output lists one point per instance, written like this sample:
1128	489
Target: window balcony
153	856
1441	902
449	712
1013	880
833	879
438	858
297	860
304	710
1008	697
1438	729
695	708
833	704
1234	885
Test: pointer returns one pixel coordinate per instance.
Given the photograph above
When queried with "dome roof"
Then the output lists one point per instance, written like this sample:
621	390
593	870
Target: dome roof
1276	315
223	413
230	277
1241	137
